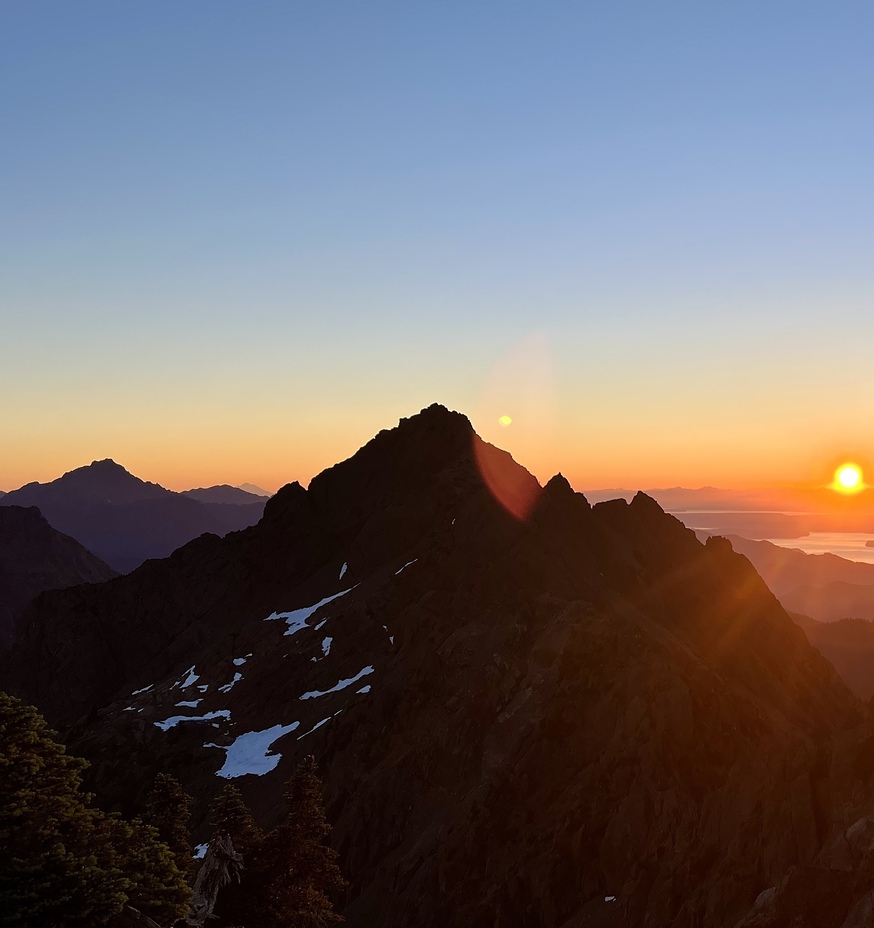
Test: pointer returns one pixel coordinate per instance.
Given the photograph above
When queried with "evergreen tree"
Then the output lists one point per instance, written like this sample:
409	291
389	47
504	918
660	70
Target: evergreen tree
63	863
158	888
168	811
50	874
230	816
296	869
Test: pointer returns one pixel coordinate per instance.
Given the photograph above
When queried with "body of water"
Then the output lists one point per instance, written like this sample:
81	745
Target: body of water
850	545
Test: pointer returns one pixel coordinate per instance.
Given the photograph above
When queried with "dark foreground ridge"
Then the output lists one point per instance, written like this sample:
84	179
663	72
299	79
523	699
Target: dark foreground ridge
33	558
580	718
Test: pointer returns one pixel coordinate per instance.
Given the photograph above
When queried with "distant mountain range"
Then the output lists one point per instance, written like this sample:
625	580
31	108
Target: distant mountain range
831	598
233	496
580	717
34	558
823	586
125	520
779	512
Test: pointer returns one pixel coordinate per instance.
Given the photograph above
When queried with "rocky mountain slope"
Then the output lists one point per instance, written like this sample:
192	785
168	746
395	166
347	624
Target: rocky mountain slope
125	520
582	716
823	586
849	646
33	558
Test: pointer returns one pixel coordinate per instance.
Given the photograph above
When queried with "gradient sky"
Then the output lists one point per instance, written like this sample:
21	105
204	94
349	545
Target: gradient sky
237	239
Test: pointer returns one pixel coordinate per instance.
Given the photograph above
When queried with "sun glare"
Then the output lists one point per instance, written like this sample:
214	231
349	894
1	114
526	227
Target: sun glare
848	479
505	421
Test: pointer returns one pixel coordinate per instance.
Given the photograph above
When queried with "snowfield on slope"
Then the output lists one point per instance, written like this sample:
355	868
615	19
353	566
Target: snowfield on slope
315	694
249	753
297	618
177	719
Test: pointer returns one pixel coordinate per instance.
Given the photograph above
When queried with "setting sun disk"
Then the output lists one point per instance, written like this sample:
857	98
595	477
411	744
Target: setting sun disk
848	479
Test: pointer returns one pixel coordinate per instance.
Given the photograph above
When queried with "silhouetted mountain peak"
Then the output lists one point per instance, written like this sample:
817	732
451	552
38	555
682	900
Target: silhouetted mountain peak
106	465
644	503
592	687
126	520
558	486
254	489
110	481
285	502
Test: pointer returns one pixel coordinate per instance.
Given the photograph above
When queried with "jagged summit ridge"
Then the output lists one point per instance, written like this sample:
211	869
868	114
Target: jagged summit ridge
514	715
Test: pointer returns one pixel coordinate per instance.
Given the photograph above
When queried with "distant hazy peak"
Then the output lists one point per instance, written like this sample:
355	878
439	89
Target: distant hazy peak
253	489
224	493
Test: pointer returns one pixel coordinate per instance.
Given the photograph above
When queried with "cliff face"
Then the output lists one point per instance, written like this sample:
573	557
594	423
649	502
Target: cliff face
580	717
33	558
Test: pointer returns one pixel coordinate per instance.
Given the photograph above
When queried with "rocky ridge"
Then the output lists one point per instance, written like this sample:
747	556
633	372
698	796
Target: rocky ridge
581	717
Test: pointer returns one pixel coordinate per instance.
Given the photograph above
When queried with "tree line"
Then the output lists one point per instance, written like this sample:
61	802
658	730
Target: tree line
64	863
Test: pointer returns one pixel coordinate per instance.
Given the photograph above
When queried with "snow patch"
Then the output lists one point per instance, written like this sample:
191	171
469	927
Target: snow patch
249	753
365	689
319	724
145	689
190	677
203	688
239	661
321	624
343	571
229	686
609	898
326	646
413	561
314	694
176	719
191	704
297	618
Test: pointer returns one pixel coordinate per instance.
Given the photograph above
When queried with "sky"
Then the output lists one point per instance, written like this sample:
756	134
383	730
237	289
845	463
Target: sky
237	239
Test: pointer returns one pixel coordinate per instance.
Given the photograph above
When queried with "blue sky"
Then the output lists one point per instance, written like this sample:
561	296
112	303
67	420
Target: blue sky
236	239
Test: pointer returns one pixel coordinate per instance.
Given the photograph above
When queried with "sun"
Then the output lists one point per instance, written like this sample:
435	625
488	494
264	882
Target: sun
848	478
504	421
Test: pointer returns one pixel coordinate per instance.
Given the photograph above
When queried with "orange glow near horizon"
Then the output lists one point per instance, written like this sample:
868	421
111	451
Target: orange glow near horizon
594	445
